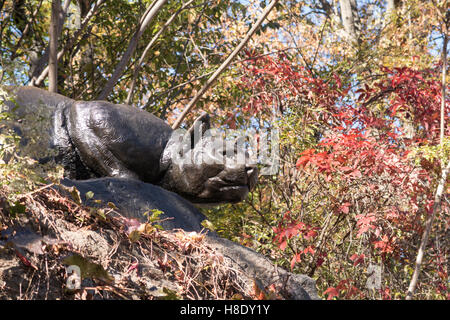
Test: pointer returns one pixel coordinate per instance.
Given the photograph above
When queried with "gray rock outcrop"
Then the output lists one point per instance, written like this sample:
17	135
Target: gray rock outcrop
133	198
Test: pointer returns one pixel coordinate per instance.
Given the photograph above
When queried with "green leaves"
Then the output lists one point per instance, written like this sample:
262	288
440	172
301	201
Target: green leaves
88	269
168	294
89	195
16	208
208	225
75	194
153	215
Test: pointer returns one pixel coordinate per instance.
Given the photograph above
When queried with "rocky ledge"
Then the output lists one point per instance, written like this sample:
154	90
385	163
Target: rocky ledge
102	226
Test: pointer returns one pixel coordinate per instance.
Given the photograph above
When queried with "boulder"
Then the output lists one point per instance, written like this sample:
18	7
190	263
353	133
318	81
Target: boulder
133	198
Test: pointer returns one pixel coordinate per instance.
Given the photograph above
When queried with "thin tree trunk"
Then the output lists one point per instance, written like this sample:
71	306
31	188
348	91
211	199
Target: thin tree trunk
444	85
53	47
145	21
426	234
356	20
224	65
441	185
137	68
39	79
391	6
348	20
39	64
333	14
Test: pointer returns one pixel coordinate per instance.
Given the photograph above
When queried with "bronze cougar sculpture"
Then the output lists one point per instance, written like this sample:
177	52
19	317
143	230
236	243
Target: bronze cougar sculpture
100	139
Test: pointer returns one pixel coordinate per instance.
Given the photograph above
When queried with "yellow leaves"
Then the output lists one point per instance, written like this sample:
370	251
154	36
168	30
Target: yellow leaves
191	237
425	155
143	228
74	193
208	225
191	15
135	229
57	174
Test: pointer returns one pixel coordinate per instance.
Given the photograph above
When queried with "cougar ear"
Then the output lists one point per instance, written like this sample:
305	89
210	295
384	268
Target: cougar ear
199	127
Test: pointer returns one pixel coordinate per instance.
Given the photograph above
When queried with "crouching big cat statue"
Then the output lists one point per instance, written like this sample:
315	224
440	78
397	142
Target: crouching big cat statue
99	139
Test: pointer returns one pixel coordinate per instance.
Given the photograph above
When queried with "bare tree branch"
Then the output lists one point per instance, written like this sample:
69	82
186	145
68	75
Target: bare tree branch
148	47
224	65
145	21
426	234
25	31
156	96
191	29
